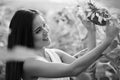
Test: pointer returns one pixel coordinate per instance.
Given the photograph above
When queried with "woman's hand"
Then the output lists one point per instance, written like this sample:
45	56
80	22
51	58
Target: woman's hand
114	44
112	29
91	35
88	24
18	53
22	53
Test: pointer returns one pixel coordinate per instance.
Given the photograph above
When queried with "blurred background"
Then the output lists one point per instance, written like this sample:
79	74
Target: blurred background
60	15
67	37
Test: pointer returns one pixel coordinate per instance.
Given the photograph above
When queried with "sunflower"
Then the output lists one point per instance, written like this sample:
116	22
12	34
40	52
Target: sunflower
98	16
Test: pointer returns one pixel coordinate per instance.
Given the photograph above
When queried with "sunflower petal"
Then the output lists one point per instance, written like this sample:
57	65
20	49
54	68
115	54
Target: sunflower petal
100	19
104	19
97	14
88	9
89	14
92	16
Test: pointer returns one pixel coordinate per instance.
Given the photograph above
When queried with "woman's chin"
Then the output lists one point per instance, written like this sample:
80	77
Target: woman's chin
47	43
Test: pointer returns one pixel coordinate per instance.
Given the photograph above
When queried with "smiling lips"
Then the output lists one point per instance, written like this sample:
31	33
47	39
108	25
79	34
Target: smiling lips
45	37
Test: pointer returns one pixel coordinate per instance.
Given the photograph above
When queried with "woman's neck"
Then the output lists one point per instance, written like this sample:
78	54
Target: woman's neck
40	52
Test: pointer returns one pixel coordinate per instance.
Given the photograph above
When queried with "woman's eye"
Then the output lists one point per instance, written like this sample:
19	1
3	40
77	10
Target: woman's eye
38	30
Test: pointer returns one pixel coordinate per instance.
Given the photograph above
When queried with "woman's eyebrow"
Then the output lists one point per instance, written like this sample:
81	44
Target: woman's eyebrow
37	28
41	25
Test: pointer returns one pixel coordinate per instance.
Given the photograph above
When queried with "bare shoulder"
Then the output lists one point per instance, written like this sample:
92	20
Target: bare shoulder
58	51
33	61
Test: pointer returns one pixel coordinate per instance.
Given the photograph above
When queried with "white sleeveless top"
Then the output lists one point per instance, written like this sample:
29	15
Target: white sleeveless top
56	59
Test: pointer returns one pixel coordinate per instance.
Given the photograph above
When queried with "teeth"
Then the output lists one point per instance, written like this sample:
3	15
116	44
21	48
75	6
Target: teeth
46	38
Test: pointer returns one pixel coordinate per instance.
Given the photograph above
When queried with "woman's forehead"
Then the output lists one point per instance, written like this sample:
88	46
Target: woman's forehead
42	18
39	20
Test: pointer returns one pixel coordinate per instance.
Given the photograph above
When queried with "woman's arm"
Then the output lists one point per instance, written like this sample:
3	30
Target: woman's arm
38	68
91	37
81	53
91	43
46	69
113	45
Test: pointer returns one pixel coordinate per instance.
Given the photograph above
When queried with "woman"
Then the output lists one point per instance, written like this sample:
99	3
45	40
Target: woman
28	29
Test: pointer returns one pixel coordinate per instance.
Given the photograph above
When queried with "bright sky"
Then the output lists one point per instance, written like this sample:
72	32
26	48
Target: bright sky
111	3
56	4
42	4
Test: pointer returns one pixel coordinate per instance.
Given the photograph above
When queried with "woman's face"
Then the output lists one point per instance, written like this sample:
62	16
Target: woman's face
40	32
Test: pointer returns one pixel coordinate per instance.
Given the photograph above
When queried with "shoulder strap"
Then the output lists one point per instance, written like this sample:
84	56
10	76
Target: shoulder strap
54	56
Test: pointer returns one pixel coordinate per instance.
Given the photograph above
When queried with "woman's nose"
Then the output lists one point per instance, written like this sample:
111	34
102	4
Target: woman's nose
46	28
45	31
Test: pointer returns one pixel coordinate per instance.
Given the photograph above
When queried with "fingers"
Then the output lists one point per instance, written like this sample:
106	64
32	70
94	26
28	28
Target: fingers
22	53
114	44
112	29
113	22
19	53
83	19
80	17
107	23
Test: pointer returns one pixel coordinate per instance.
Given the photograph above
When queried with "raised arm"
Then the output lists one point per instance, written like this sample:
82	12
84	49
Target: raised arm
46	69
91	36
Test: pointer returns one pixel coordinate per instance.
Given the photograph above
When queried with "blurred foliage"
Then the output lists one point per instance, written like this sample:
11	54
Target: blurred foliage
66	31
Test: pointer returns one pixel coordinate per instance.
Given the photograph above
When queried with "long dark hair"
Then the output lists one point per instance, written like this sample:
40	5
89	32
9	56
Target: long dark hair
21	35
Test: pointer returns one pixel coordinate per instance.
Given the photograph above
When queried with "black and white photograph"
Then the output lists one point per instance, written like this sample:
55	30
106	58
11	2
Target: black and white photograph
59	39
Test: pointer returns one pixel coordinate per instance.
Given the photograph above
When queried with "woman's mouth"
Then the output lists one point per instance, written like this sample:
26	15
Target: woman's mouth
45	39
